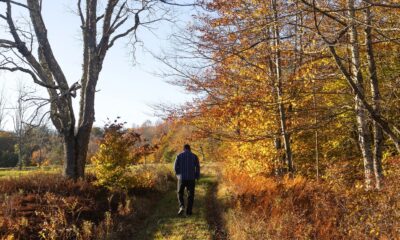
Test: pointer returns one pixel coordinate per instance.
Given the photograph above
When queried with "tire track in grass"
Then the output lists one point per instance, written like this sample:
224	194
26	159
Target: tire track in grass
214	212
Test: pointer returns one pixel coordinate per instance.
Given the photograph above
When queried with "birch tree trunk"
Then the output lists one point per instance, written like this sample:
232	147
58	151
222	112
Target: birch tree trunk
376	98
278	86
364	134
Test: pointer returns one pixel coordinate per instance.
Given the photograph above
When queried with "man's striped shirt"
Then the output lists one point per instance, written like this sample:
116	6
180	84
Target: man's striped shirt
187	166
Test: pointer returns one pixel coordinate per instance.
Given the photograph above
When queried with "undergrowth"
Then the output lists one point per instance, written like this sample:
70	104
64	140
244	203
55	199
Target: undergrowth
48	206
263	207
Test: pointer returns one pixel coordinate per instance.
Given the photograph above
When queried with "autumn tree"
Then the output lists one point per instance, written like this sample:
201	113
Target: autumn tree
249	83
355	25
270	73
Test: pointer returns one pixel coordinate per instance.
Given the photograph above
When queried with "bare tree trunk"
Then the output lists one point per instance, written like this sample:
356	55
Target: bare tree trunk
70	164
376	98
363	130
279	92
20	159
75	151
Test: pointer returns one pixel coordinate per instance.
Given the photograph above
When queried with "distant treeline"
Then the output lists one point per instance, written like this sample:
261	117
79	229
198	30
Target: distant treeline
36	147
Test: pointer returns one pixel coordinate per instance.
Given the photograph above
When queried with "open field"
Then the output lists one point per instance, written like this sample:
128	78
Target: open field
14	172
39	203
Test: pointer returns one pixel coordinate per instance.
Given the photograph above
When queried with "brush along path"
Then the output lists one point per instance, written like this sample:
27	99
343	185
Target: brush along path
204	224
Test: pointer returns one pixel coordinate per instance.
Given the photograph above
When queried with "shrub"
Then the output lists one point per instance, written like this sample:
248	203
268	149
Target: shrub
151	177
113	157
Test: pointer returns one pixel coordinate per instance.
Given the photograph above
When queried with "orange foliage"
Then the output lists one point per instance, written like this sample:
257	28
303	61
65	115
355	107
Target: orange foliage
297	208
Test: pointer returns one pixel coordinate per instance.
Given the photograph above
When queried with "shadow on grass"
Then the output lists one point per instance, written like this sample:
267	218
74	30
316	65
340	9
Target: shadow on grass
214	210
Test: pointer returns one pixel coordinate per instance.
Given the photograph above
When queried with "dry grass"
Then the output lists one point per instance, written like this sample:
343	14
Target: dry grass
269	208
48	206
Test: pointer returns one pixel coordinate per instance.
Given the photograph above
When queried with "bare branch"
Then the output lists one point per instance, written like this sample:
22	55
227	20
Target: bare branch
81	13
21	46
7	44
128	31
25	70
180	4
381	4
16	3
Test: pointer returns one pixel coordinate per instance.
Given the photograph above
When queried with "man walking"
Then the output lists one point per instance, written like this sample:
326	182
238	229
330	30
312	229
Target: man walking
187	169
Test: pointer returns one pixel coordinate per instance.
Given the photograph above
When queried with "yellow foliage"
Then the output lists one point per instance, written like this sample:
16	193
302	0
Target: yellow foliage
113	157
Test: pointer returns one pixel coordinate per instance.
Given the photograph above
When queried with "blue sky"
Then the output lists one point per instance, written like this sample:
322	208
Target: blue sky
125	89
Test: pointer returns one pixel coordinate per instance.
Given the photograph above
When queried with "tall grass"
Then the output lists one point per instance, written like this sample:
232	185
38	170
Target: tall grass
298	208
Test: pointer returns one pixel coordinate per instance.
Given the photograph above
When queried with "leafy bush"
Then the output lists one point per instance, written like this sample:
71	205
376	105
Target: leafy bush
151	177
114	157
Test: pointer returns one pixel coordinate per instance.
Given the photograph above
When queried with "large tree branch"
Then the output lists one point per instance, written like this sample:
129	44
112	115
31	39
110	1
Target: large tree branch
91	67
32	74
118	16
107	29
81	13
44	45
21	46
7	44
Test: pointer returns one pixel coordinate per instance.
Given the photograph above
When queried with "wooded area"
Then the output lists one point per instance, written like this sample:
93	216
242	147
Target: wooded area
294	85
295	117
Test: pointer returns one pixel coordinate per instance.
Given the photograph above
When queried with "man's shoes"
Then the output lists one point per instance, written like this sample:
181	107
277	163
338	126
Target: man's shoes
181	210
188	213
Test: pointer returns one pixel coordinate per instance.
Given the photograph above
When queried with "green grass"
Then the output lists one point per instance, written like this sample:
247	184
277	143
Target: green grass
14	172
164	223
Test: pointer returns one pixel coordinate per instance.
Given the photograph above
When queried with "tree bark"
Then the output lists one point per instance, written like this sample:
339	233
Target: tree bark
75	151
279	92
376	98
70	163
362	120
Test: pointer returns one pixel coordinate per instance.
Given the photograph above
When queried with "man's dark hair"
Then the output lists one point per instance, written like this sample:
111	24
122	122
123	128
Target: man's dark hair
186	147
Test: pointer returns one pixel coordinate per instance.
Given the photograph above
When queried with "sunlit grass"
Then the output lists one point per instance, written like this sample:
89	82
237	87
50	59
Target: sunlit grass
166	224
15	172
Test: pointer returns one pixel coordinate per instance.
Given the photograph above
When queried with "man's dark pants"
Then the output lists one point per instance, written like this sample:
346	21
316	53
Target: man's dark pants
189	185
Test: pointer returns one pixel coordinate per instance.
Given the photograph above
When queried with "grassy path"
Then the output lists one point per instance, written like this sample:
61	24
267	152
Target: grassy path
164	223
